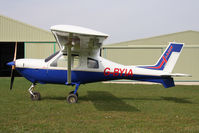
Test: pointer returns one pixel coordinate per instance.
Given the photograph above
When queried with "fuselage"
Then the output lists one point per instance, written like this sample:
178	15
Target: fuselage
89	69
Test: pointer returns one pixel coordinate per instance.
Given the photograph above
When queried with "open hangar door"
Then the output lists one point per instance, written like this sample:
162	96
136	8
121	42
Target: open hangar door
7	55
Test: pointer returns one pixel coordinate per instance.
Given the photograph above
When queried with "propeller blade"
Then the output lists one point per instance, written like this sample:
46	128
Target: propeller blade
15	54
13	67
12	78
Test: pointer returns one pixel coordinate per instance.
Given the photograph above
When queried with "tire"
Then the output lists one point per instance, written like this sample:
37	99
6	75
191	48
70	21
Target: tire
36	96
72	98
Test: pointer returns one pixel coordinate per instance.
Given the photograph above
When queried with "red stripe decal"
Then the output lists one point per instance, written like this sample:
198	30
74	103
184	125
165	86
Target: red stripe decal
164	59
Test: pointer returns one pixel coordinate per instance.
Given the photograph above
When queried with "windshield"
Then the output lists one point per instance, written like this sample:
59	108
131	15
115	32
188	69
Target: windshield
51	56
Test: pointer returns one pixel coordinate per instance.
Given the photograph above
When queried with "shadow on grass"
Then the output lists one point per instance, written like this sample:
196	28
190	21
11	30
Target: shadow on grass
177	100
172	99
106	96
105	101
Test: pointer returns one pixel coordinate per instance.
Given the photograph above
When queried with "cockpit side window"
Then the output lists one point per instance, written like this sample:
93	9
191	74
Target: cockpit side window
62	61
92	63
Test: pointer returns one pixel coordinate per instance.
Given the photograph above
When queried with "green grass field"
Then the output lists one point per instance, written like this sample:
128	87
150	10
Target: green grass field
102	108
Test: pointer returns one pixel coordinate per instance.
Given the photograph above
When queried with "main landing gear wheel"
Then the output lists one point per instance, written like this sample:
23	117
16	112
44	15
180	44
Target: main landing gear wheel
72	98
36	96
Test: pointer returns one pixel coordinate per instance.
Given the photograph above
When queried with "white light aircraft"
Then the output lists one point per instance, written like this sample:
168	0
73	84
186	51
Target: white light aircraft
79	62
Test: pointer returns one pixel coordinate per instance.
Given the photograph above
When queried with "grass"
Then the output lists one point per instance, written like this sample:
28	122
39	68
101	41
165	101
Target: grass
102	108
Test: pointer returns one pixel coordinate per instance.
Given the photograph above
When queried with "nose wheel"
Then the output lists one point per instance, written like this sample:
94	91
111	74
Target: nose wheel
73	95
36	96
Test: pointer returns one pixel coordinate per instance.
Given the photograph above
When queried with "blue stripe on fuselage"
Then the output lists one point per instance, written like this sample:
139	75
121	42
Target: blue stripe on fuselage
55	76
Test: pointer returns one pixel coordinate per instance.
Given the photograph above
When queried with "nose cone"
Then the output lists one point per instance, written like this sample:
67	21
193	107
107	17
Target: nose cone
12	63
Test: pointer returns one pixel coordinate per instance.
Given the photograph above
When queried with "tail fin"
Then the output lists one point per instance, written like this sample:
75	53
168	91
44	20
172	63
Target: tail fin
168	59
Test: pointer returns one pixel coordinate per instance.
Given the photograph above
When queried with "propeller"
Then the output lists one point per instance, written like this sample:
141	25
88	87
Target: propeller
13	67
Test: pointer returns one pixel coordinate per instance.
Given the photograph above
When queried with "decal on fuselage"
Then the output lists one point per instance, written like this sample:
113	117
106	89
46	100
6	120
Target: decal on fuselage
118	72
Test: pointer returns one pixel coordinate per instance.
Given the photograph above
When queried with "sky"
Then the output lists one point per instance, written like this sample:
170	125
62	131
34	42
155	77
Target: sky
123	20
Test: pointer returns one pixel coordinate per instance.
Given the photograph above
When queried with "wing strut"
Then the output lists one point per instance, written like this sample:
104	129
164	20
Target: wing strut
69	45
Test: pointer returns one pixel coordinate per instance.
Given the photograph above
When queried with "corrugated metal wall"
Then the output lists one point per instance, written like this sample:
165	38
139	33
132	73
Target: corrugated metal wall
188	63
40	50
13	30
132	55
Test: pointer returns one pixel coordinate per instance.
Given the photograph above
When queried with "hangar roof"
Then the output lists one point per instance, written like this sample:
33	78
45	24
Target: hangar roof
12	30
188	37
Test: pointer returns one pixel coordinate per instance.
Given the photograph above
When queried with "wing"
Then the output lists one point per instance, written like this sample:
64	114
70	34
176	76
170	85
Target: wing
82	39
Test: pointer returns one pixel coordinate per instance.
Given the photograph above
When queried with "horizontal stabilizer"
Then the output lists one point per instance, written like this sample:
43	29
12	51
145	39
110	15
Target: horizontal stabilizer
178	75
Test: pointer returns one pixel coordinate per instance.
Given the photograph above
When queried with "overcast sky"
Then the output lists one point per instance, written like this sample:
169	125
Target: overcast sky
123	20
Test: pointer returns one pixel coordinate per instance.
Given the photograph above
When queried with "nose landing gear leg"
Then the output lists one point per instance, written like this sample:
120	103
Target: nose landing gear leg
35	96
